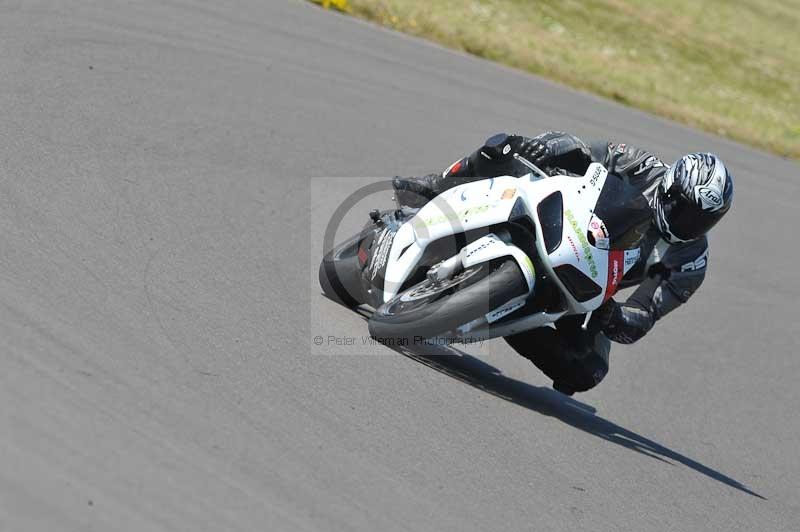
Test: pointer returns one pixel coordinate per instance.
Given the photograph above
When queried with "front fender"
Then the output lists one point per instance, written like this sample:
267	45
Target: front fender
492	247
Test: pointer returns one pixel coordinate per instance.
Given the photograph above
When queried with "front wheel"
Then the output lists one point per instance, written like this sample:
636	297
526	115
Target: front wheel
429	309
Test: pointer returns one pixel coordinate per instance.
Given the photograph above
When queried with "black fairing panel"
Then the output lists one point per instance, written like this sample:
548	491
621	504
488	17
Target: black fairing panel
581	287
625	212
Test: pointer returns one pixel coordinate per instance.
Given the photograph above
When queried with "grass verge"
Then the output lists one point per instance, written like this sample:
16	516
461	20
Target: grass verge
731	67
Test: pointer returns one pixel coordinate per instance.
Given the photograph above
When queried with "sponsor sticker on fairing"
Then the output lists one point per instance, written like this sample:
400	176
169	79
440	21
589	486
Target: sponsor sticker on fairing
381	253
615	273
574	248
472	250
587	250
454	217
503	311
631	257
599	232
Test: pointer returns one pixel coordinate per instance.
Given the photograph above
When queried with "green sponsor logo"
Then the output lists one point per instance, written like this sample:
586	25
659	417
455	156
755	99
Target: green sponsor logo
455	216
587	250
529	265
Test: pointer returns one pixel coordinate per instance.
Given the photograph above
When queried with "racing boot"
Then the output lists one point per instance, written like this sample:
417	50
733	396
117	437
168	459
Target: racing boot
415	192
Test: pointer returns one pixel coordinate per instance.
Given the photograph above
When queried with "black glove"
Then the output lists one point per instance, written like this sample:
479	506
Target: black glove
534	150
502	147
415	192
556	148
659	270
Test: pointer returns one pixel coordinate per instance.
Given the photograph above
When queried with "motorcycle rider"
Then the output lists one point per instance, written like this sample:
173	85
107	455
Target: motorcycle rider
686	199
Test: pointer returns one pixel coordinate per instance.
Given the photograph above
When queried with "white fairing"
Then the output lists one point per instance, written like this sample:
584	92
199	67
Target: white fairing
459	209
580	197
490	201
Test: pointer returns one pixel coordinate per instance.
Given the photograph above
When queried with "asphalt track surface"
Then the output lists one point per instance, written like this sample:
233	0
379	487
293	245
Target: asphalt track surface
167	171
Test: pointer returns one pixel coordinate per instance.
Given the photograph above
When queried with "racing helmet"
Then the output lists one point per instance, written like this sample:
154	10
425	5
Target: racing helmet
694	195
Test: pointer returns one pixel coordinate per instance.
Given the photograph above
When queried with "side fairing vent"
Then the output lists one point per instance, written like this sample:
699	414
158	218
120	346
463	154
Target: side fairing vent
579	285
551	218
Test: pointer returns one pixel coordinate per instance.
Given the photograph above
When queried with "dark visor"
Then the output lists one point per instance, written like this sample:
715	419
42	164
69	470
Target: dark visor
686	219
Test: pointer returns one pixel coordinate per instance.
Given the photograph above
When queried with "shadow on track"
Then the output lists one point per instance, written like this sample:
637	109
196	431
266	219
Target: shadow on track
546	401
472	371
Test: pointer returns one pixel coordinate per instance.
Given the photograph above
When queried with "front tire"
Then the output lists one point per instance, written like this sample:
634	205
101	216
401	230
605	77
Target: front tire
427	310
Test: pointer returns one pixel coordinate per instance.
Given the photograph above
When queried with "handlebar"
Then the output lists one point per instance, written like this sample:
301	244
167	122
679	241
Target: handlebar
535	169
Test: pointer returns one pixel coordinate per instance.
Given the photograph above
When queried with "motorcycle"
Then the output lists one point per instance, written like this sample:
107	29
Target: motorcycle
493	257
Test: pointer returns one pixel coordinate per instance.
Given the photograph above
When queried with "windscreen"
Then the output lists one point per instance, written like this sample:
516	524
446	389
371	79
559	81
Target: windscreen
625	212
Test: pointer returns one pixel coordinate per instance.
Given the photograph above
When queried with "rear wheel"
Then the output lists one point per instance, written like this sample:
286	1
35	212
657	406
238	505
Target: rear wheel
430	309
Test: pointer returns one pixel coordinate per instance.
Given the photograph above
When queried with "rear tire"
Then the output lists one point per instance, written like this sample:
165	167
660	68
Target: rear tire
427	311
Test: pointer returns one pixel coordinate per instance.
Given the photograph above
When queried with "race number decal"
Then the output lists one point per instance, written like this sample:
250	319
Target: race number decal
631	258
